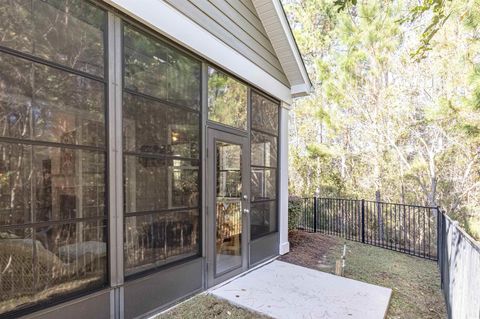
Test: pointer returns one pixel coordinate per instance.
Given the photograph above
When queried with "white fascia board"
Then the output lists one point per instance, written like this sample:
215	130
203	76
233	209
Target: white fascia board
300	90
286	41
171	23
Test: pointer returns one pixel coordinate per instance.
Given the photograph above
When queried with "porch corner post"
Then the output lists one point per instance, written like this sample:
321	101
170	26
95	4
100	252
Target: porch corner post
284	245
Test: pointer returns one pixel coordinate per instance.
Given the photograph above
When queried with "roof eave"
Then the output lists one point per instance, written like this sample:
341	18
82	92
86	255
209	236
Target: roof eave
282	38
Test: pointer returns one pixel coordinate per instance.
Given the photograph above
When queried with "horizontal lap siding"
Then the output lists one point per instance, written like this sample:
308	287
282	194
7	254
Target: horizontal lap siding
234	22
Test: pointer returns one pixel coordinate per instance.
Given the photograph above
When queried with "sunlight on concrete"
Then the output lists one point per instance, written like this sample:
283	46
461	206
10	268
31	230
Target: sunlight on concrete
283	290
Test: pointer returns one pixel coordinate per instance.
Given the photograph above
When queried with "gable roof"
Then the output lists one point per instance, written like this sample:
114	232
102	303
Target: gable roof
276	24
251	39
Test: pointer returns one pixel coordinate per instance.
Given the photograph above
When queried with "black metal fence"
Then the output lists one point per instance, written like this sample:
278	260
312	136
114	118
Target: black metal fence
422	231
409	229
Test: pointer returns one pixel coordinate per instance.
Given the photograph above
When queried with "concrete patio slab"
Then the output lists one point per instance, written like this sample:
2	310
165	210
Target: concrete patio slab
282	290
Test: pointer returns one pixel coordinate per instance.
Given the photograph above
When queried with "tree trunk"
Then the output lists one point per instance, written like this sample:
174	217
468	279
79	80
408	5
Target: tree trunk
380	215
432	197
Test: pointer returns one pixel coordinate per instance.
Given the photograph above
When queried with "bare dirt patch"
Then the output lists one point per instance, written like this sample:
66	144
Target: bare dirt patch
312	250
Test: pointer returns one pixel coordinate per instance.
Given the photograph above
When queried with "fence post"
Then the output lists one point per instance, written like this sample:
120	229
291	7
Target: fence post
439	240
315	201
363	221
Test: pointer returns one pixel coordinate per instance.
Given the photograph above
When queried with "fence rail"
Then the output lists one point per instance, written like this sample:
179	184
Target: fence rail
409	229
422	231
459	263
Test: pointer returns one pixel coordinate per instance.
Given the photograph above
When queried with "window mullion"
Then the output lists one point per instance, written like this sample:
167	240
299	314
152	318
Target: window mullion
115	156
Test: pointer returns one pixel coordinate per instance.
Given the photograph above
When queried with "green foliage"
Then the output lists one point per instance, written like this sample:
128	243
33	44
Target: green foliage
439	15
382	119
437	9
227	99
295	208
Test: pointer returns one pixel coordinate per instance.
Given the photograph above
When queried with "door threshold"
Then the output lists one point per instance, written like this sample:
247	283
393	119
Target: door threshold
207	291
223	283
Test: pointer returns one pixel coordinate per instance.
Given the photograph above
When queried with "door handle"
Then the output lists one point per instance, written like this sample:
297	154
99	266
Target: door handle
246	211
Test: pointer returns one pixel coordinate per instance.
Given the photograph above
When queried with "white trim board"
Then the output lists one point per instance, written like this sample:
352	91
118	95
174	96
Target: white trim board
168	21
275	22
284	245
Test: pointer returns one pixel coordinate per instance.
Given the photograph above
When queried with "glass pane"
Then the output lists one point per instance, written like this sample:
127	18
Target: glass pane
50	105
263	218
152	127
67	184
183	181
15	97
228	207
153	184
157	239
263	185
264	114
227	100
264	150
15	184
70	33
145	179
50	261
154	68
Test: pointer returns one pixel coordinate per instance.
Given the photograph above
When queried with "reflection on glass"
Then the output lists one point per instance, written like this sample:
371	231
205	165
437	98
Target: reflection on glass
45	262
156	128
161	128
264	154
15	184
144	189
228	207
153	184
264	114
156	69
156	239
264	150
227	100
263	218
66	32
52	195
263	184
42	103
183	180
67	184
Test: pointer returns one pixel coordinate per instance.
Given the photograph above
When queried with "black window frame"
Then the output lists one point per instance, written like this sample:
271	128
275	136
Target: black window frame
203	118
58	299
126	21
277	167
224	126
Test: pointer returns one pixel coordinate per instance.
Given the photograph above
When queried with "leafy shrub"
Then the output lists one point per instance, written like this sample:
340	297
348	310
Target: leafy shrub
294	211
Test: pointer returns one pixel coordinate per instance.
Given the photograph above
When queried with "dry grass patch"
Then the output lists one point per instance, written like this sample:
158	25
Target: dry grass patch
208	307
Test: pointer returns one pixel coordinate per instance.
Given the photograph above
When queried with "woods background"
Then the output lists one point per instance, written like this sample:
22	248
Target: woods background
396	110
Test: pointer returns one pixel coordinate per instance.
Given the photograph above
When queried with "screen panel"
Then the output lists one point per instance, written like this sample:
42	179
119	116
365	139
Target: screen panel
161	129
53	216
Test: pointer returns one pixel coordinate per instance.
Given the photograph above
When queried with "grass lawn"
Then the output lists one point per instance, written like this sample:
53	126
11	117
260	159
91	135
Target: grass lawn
415	282
208	307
